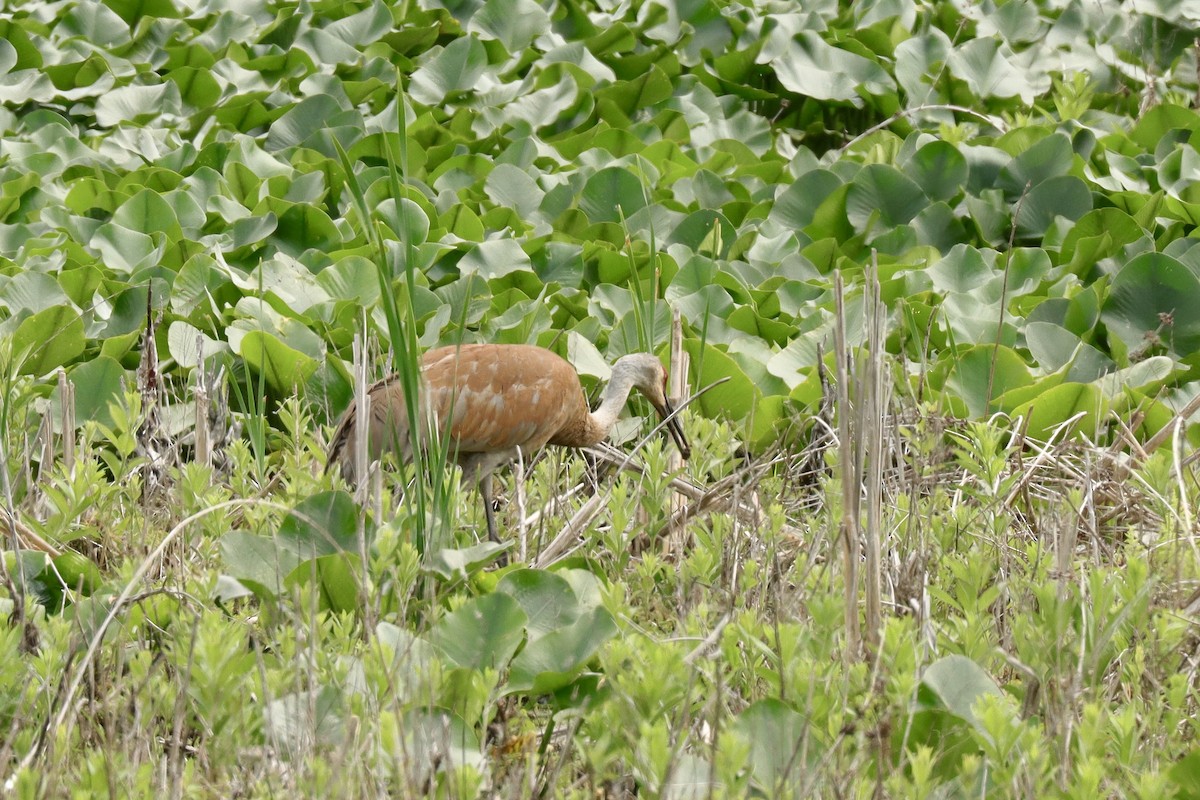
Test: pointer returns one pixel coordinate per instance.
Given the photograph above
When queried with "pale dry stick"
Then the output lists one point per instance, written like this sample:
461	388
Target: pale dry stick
709	641
1166	432
717	498
678	377
65	708
553	504
850	474
1043	456
1125	434
581	518
66	393
995	122
202	442
363	492
1186	506
870	425
519	482
572	532
24	533
202	439
362	401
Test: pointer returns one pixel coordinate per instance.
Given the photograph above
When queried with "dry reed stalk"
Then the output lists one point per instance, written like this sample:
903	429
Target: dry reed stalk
675	542
66	393
870	421
26	536
362	402
849	473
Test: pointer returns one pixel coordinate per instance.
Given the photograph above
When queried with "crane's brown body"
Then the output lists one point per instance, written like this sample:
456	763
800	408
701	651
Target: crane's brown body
491	401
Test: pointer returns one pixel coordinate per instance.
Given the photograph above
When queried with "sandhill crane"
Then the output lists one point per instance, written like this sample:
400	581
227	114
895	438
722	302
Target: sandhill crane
491	399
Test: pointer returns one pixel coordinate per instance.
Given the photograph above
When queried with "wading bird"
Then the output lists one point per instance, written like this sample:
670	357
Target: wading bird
489	400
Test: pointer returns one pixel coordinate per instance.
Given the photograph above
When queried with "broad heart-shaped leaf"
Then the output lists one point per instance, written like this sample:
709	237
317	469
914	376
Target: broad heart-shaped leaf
495	258
98	382
612	193
301	227
773	732
124	249
406	219
1053	347
135	103
813	68
883	191
456	563
515	23
147	212
1100	233
364	27
1062	196
37	291
483	633
48	339
796	205
283	367
1049	158
1154	296
705	231
548	600
956	684
963	269
971	371
457	68
188	345
939	169
295	722
322	524
256	562
735	397
333	579
1050	409
1145	376
554	660
302	121
984	65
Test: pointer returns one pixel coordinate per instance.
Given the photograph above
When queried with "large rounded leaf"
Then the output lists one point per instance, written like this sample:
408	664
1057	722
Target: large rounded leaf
972	371
483	633
884	191
1063	196
1154	297
611	194
48	339
1049	410
283	367
812	67
554	660
939	169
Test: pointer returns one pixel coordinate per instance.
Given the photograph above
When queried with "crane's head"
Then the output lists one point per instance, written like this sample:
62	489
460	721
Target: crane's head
650	378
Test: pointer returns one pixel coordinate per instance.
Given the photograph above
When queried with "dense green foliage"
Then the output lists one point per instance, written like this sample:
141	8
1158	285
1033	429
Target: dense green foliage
1022	178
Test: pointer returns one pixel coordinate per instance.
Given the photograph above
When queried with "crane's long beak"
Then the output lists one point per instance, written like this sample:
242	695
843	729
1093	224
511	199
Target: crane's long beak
675	428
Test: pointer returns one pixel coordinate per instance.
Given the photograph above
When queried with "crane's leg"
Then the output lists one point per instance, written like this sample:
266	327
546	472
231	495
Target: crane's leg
485	491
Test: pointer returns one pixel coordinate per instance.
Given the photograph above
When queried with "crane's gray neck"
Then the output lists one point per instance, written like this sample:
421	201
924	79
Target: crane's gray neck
615	395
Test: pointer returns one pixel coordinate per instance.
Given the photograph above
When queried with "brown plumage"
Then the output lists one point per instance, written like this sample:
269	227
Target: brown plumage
491	399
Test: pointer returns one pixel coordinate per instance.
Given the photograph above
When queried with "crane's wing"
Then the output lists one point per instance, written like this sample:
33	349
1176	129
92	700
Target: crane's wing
492	398
387	427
